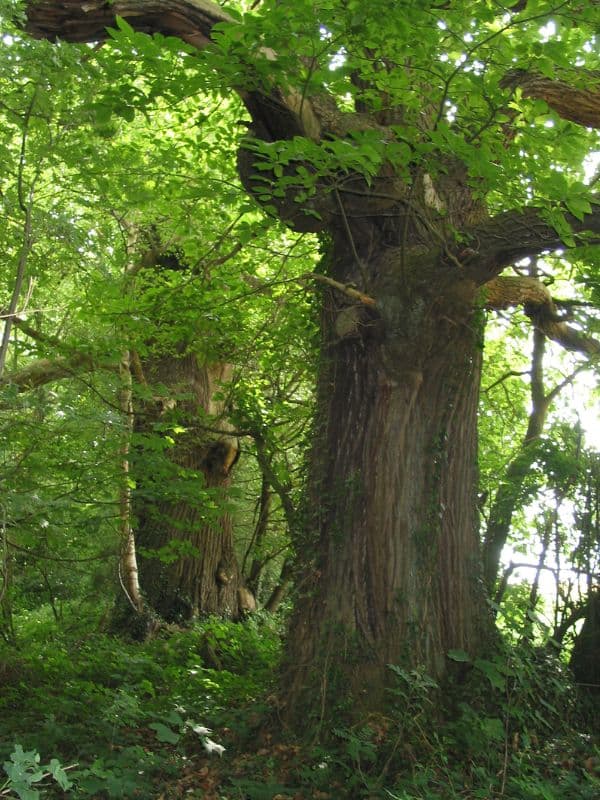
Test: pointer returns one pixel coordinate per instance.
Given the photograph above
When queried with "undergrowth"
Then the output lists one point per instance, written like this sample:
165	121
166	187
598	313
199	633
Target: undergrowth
86	715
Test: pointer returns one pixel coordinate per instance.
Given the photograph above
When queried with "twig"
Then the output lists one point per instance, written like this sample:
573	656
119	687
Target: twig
350	291
510	374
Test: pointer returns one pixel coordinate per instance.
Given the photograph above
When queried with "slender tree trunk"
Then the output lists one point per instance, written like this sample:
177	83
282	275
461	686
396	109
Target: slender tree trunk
509	490
258	536
280	591
7	630
128	568
26	203
545	530
393	537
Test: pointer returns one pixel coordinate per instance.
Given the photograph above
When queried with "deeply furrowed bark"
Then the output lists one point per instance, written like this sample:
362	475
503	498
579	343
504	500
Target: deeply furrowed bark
393	538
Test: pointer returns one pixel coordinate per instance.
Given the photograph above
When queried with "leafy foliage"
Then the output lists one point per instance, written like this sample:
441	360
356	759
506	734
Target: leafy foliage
126	715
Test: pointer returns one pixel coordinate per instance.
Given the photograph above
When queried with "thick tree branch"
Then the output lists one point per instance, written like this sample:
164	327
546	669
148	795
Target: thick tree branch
277	114
514	235
570	102
509	291
87	20
46	370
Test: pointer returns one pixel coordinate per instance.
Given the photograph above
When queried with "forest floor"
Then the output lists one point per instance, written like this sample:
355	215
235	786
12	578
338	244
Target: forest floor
190	714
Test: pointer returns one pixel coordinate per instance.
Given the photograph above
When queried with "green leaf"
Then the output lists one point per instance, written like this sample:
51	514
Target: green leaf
491	672
25	792
164	734
125	27
175	718
494	728
125	112
458	655
102	113
59	775
578	206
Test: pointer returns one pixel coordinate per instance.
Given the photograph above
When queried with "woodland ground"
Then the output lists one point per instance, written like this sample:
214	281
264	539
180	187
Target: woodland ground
126	720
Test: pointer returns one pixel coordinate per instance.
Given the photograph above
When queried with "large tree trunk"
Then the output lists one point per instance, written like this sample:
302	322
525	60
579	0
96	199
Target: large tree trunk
396	567
177	511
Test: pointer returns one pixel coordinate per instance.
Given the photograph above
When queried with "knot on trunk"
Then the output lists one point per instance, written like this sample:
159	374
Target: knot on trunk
220	458
225	573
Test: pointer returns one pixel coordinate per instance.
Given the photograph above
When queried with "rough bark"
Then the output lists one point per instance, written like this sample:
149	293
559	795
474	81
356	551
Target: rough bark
393	532
205	578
